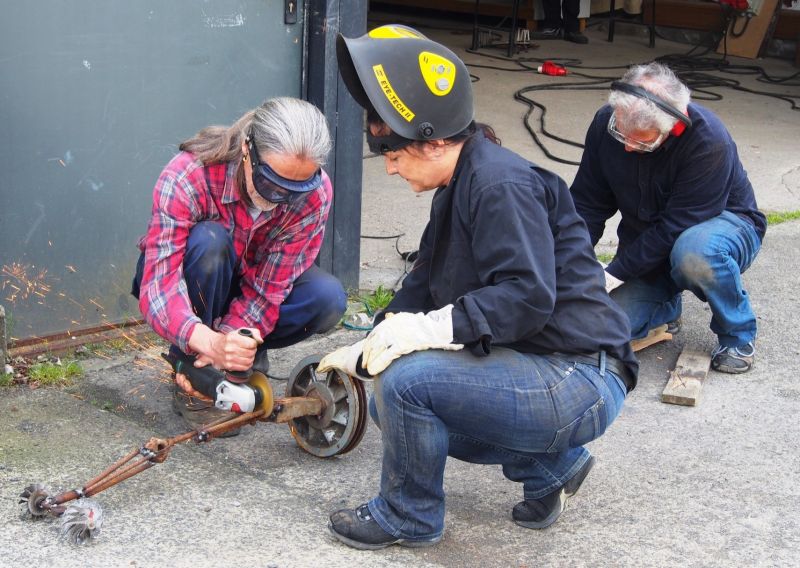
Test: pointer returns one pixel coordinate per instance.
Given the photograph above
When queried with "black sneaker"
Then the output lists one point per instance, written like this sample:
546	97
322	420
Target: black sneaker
541	513
674	327
733	359
576	37
547	33
359	529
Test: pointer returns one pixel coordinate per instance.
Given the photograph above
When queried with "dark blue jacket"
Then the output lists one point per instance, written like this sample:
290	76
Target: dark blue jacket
505	246
691	178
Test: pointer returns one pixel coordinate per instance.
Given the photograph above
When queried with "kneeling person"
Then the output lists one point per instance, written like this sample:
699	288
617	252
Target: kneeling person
502	346
689	214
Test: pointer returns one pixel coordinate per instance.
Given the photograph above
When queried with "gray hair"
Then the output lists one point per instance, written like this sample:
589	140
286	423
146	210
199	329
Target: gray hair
640	114
283	125
290	126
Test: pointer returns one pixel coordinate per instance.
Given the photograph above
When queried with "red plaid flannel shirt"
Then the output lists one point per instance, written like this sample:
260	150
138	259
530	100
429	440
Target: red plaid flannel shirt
271	252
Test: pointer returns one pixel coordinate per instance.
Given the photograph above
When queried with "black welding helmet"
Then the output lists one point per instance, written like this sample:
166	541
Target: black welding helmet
418	87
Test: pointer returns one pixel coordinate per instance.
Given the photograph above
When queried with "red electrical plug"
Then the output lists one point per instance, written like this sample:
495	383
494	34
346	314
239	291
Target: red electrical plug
550	68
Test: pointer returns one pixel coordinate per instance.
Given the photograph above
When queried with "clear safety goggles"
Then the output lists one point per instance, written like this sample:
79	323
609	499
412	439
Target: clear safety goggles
637	145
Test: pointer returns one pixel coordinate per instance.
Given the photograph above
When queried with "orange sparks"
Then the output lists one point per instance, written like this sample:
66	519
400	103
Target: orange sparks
24	281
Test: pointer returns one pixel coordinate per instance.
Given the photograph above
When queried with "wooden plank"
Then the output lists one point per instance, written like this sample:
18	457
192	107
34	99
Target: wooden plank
758	31
655	335
686	381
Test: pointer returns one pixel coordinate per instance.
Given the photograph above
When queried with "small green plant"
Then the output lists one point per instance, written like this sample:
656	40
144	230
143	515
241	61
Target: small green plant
107	405
377	300
52	374
778	217
104	348
6	379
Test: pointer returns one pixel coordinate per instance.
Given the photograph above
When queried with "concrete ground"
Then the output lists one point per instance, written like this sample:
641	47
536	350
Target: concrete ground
711	485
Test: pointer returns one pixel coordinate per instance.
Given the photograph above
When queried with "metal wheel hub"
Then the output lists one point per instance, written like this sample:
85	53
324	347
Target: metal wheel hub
321	391
33	496
343	420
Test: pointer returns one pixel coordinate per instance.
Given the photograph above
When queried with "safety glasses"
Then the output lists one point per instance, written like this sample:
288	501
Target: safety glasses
638	145
274	187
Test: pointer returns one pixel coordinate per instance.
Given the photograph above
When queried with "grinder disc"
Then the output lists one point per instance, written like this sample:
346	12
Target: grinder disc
259	381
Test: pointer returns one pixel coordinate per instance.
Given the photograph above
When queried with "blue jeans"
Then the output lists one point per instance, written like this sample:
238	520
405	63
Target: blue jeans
315	304
529	413
707	259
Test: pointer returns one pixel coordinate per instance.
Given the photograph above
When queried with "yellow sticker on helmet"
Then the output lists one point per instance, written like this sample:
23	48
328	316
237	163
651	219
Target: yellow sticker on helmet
439	73
394	32
388	90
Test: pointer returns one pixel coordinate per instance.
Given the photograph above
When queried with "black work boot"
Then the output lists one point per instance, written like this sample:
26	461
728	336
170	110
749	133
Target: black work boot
576	37
359	529
675	326
543	512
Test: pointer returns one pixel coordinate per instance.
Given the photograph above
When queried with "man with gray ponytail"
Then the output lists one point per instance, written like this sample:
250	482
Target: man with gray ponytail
237	221
689	214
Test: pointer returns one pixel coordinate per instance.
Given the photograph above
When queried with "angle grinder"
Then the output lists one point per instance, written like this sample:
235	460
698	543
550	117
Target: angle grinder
234	391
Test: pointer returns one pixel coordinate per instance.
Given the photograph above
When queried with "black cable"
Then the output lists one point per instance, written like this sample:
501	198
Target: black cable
409	257
690	68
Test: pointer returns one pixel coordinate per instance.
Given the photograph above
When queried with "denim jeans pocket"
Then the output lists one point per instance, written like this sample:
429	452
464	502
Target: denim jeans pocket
588	426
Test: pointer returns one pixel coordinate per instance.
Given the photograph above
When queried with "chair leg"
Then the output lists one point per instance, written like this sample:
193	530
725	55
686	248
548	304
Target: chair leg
512	37
653	26
611	16
475	26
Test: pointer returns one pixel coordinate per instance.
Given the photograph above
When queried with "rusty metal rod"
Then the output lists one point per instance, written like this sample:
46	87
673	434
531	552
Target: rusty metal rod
121	470
76	493
52	504
241	420
113	467
130	473
90	489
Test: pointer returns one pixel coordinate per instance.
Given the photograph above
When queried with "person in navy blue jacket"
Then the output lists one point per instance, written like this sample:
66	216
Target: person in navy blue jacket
503	346
689	214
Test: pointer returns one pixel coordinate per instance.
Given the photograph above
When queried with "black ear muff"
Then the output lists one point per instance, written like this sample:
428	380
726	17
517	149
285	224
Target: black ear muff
684	121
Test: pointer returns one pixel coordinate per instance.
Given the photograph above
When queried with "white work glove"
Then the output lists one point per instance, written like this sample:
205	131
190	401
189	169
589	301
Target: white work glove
345	359
403	333
612	282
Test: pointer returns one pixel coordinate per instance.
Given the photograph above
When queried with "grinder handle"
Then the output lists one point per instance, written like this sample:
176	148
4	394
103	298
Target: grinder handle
241	376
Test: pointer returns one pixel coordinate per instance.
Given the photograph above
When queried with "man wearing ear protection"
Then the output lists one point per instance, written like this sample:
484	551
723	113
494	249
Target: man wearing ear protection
689	214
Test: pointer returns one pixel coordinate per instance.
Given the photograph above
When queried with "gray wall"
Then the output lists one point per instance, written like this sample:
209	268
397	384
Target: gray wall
96	96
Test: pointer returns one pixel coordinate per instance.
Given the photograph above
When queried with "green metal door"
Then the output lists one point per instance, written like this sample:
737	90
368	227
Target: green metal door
96	97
